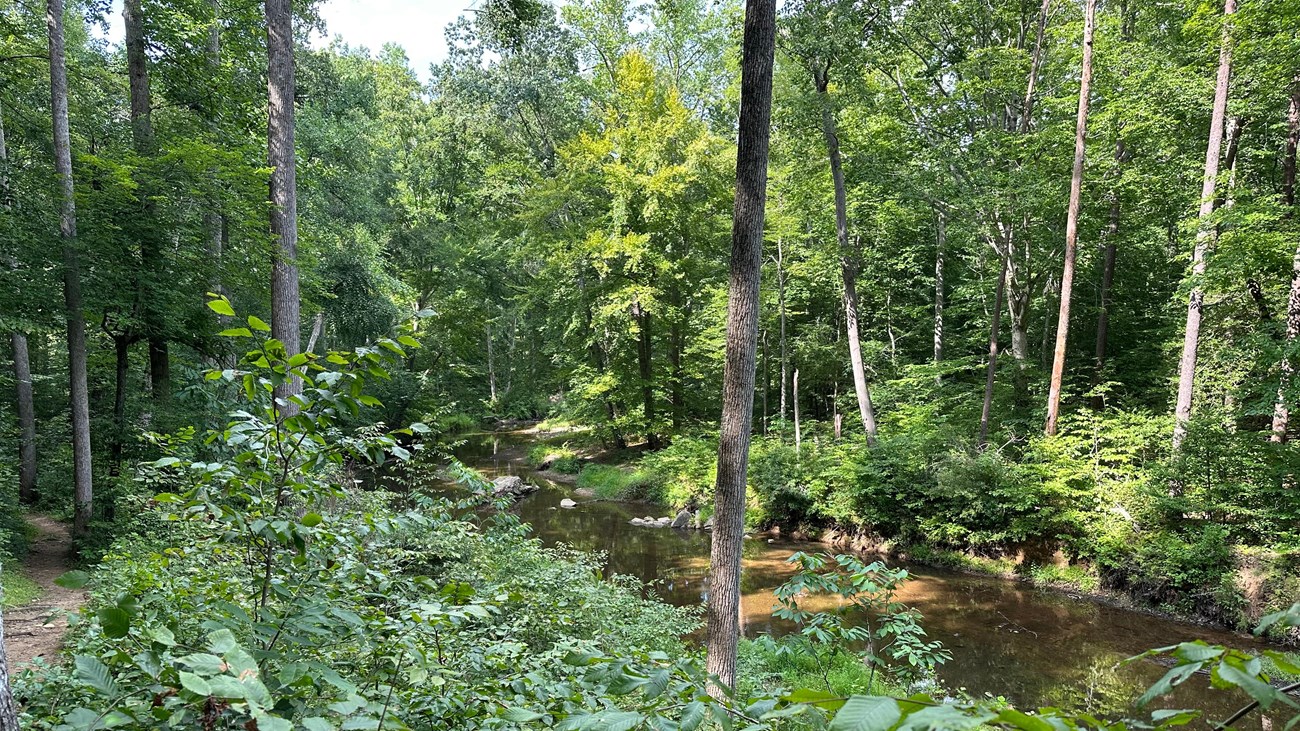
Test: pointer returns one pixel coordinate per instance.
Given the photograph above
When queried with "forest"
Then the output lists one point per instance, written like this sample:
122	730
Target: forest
336	388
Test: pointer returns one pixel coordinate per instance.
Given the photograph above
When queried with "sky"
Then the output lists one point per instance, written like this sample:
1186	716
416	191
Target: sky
415	25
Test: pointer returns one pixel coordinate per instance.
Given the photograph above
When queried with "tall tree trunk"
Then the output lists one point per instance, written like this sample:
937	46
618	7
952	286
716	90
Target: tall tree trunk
122	360
848	255
677	343
994	325
79	397
491	364
1282	406
940	251
1107	280
22	365
151	256
742	333
284	192
767	379
1204	233
780	299
1036	62
1072	222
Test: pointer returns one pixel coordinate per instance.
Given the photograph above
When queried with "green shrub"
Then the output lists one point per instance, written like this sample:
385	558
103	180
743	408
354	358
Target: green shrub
562	459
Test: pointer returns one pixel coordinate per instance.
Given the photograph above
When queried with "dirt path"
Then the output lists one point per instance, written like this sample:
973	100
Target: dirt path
36	630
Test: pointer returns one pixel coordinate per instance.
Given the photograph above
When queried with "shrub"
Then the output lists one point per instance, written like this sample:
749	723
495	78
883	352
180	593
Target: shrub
617	483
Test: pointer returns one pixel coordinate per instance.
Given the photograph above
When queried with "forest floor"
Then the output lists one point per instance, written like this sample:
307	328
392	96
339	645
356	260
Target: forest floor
36	630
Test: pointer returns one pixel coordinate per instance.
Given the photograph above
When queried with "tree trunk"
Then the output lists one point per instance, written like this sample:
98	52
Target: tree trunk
284	193
24	402
742	333
645	367
677	343
848	257
79	398
798	433
317	326
122	360
996	322
1292	142
940	247
8	709
1107	280
1036	62
491	364
1072	222
151	256
1282	406
780	299
26	419
767	379
1204	234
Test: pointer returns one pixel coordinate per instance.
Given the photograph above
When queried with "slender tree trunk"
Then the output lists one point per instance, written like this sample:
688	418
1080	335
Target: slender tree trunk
742	332
677	343
317	326
1204	233
24	402
1072	221
1036	62
1292	142
491	364
151	256
122	360
79	397
8	709
1107	280
284	191
940	251
767	379
848	257
996	322
26	419
645	367
1282	406
780	299
798	433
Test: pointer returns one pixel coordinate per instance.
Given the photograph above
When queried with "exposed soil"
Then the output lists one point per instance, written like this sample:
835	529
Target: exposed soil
36	630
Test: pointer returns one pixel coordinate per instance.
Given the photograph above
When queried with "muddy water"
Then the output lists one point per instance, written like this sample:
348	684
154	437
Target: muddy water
1031	646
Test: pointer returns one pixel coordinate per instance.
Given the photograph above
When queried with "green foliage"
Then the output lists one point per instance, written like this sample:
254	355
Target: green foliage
617	483
16	589
561	458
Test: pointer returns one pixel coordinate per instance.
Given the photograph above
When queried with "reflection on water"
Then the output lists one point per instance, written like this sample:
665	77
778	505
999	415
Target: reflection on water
1035	647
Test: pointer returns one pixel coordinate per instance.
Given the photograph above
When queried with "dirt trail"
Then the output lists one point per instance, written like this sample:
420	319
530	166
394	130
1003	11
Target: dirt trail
36	630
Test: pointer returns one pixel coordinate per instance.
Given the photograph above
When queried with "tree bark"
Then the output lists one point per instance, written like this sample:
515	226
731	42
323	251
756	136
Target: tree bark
24	402
8	709
742	333
848	256
1072	222
79	397
26	419
780	299
1107	280
284	193
1204	233
645	368
1292	142
994	325
1282	406
940	247
491	364
151	257
1036	62
798	433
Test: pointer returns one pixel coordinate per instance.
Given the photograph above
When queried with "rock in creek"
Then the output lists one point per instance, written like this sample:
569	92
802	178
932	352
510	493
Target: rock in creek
567	503
512	486
683	519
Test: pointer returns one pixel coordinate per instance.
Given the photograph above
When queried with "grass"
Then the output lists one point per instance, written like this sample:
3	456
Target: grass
766	664
616	483
1077	577
18	589
561	459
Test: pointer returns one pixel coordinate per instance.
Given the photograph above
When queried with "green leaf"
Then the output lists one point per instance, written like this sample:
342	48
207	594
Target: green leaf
73	579
1165	684
221	306
866	713
195	684
258	324
692	716
520	715
236	332
409	341
316	723
202	662
312	520
115	621
161	635
267	722
94	673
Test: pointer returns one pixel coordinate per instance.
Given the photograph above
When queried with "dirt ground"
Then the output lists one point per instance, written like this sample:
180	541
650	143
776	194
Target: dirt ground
36	630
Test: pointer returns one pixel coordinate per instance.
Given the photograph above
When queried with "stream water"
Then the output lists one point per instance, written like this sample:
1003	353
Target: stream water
1033	646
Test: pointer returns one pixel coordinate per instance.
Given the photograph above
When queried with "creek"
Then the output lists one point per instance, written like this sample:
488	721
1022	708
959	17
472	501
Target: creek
1035	647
